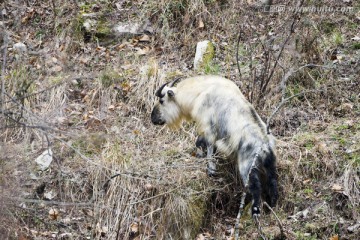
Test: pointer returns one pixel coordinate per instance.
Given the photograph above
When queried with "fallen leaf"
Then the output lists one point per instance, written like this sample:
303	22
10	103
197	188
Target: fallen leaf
145	38
148	187
127	66
337	188
134	228
121	46
142	51
56	68
203	236
306	181
201	23
335	237
53	213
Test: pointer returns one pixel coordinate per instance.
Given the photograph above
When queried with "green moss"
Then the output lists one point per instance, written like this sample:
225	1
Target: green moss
308	191
90	143
172	75
342	127
337	38
303	236
109	77
307	140
212	68
328	27
85	7
355	46
103	29
209	54
197	208
55	79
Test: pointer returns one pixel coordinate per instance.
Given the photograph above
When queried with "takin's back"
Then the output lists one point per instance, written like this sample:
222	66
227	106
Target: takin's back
222	113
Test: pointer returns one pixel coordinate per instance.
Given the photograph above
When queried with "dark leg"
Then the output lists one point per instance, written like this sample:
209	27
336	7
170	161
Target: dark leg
271	179
201	146
255	190
205	146
211	168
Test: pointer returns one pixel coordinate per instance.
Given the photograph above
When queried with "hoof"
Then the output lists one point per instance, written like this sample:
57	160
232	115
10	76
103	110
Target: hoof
255	212
200	154
211	172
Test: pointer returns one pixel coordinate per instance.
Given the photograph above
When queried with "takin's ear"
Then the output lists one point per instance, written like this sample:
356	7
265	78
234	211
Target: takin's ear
171	93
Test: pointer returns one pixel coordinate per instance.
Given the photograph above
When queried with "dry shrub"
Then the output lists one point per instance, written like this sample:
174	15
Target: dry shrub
151	197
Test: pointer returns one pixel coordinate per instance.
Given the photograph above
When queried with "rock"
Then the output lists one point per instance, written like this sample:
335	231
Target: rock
353	228
205	52
45	159
20	47
50	195
134	28
89	24
105	28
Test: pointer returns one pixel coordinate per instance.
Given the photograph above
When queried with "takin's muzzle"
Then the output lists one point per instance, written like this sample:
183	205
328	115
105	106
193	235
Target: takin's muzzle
156	116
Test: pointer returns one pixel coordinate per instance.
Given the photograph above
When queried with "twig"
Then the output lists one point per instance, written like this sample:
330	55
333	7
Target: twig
292	30
6	40
158	195
51	202
237	222
259	228
282	103
54	10
237	53
39	92
284	80
277	219
45	130
24	124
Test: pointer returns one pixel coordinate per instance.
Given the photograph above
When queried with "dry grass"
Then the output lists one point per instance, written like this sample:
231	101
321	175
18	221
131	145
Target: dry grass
162	191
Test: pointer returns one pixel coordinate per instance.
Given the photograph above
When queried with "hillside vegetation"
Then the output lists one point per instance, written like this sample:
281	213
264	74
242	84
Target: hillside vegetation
80	159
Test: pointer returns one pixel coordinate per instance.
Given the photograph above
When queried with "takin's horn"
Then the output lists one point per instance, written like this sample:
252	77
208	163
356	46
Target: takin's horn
158	92
175	81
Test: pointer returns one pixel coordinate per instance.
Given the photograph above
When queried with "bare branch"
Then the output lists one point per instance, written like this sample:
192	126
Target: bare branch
237	222
237	53
292	30
6	41
85	204
282	103
277	219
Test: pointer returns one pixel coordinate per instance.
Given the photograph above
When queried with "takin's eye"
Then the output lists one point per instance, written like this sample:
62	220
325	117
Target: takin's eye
161	101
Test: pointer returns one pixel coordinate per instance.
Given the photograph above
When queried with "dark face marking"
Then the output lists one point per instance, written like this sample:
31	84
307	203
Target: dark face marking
156	116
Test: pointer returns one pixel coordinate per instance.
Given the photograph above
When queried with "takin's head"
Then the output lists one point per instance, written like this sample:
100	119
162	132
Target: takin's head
166	110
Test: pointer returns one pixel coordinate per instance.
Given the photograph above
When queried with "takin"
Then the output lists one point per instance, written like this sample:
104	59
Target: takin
227	122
